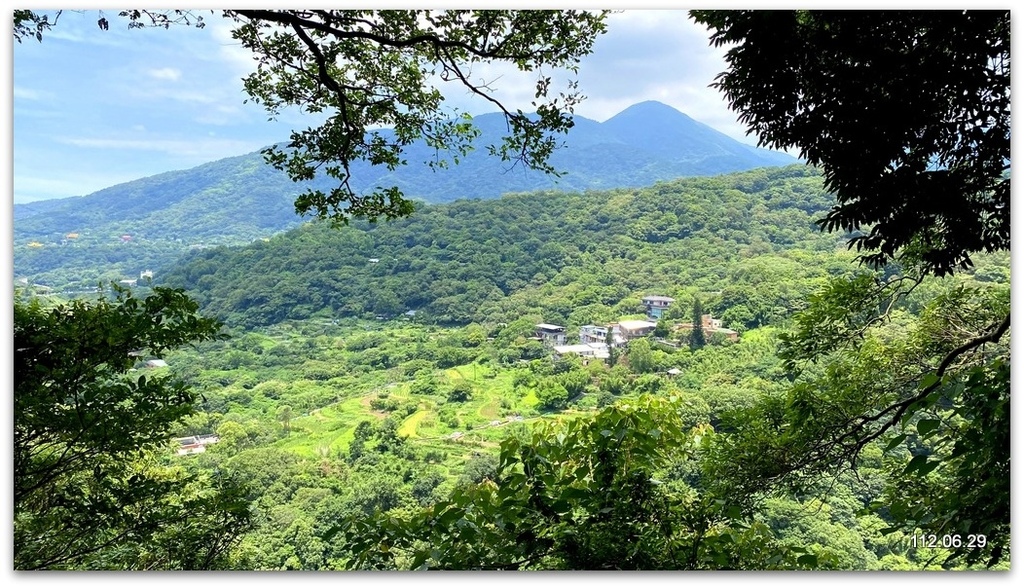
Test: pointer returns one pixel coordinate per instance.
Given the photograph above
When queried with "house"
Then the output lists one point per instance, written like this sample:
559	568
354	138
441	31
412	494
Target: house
147	274
587	351
155	363
711	326
656	305
550	334
709	322
593	334
128	282
195	443
633	329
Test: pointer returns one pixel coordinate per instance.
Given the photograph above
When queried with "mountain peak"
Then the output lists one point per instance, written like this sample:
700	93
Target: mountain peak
649	108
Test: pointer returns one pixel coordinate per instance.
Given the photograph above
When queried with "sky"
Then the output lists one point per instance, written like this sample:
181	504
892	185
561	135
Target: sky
93	108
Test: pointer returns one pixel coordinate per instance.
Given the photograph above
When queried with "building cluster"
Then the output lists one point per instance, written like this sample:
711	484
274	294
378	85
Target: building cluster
596	341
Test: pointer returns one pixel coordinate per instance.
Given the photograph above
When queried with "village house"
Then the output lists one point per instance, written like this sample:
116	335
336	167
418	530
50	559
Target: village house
711	326
656	305
550	335
587	351
195	443
633	329
599	334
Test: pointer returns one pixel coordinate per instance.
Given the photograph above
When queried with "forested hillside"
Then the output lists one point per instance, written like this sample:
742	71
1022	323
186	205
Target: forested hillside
359	434
570	257
239	199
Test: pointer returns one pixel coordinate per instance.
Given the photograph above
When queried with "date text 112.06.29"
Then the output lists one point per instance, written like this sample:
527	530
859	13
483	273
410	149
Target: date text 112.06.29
932	541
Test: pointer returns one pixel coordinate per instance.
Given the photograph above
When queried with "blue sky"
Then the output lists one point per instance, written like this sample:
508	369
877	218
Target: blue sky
93	108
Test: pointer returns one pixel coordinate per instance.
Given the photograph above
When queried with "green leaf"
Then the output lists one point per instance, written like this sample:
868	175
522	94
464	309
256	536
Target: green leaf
921	465
927	381
897	440
926	426
808	559
928	467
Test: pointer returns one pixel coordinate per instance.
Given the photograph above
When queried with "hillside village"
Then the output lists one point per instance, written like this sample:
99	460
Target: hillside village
597	341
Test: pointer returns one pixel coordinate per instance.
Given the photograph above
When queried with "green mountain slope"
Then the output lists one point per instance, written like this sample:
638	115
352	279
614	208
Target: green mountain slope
568	257
238	199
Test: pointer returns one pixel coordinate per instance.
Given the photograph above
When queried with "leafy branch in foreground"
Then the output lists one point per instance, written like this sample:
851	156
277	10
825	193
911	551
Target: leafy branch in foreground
89	489
587	493
928	189
920	389
368	69
907	113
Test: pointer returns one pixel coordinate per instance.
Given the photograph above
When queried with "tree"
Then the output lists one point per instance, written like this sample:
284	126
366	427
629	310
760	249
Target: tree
663	328
906	112
908	115
284	414
462	391
89	491
613	351
551	394
585	494
639	356
368	69
697	339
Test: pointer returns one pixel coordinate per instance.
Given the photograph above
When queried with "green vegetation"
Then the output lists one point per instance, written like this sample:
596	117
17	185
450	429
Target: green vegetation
928	194
861	421
560	258
93	486
346	422
409	453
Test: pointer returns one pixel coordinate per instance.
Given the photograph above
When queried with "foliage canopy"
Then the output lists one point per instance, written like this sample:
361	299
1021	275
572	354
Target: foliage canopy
906	112
88	490
908	115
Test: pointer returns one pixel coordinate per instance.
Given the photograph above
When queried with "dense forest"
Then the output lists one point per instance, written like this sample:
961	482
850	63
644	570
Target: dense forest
75	243
569	258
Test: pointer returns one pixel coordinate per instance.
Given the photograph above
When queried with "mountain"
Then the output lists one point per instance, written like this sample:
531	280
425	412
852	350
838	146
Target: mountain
572	257
643	144
239	199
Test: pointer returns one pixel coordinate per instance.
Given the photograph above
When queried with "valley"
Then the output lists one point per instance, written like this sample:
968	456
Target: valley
379	368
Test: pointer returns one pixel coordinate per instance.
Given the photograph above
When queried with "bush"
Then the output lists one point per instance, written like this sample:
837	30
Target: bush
461	391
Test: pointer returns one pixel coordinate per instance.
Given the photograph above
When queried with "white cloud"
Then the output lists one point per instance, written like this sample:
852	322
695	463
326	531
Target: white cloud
165	73
201	150
29	94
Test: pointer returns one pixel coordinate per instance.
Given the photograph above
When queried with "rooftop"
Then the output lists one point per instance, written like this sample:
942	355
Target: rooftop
634	325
